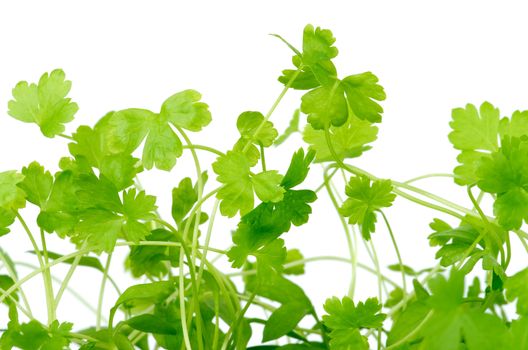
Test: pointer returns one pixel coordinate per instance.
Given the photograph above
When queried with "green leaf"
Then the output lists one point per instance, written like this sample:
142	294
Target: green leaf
183	198
148	323
364	199
162	146
267	222
349	140
267	186
36	184
141	295
318	51
325	106
475	133
519	334
298	169
283	320
152	260
452	320
362	92
294	255
249	122
11	196
44	103
292	128
237	193
516	126
504	173
33	335
345	319
185	110
125	130
517	289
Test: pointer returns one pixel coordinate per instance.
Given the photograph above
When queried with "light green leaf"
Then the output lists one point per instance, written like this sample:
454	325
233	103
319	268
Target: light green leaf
45	104
349	140
267	186
184	110
362	92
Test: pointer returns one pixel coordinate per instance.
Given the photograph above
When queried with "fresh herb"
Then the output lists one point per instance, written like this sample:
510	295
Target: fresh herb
182	300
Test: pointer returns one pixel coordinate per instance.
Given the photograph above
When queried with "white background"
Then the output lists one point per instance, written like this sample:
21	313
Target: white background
429	56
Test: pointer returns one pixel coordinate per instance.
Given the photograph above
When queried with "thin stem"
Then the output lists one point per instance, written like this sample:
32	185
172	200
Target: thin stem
237	321
272	109
67	279
68	288
351	251
204	148
262	157
400	261
101	293
14	277
318	258
428	176
207	239
47	281
67	137
412	333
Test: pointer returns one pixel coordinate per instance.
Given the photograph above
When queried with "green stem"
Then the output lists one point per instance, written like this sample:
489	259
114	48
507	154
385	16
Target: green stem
48	288
272	109
68	288
262	157
400	261
67	279
319	258
204	148
238	319
101	293
428	176
207	239
412	333
12	273
353	261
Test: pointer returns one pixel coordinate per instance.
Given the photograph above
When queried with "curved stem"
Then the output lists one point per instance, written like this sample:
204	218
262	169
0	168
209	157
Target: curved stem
45	273
412	333
12	273
101	293
351	250
272	109
319	258
66	280
204	148
398	255
428	176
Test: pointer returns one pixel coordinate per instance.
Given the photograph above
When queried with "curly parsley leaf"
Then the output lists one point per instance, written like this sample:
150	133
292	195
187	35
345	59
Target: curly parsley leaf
504	173
325	106
345	320
11	196
125	130
349	140
33	335
362	92
45	103
364	199
233	170
185	110
475	134
452	320
36	184
517	288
